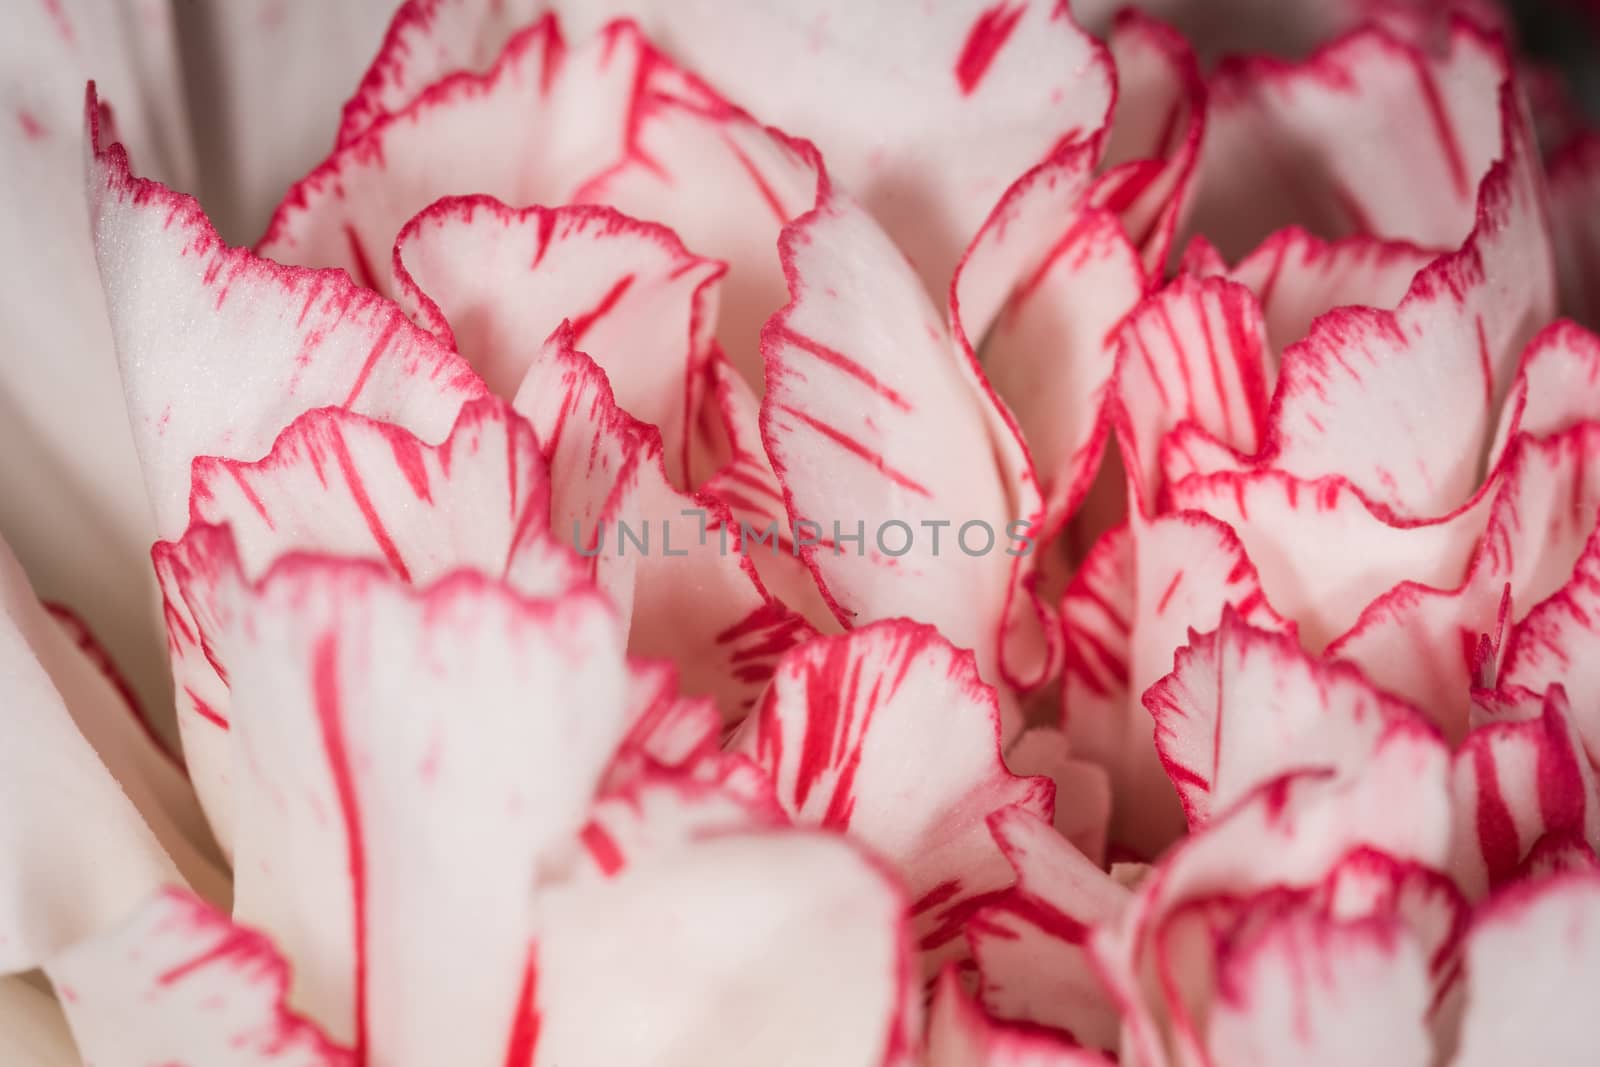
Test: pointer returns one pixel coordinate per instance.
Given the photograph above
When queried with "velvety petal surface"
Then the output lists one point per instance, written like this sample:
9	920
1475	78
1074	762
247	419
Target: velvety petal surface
71	503
220	349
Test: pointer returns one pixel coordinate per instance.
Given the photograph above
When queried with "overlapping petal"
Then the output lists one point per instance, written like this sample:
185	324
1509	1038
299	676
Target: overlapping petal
974	96
221	349
888	733
693	595
353	696
607	119
178	981
1031	942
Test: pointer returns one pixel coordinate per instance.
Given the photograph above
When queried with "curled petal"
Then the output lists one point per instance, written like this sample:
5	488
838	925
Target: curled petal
497	282
1557	385
1432	645
1288	835
1157	127
1193	353
1275	147
871	422
221	349
692	595
1135	600
743	480
888	733
976	95
1050	355
608	120
1298	276
1244	706
1368	550
1345	401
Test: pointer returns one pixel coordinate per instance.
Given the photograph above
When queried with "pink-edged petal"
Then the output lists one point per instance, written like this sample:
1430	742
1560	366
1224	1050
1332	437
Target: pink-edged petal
1245	706
71	503
1131	605
1433	645
32	1028
499	281
960	1035
888	734
1289	834
665	730
1574	192
1529	957
1557	644
1030	943
401	753
607	120
874	428
92	804
1557	385
1083	789
1345	402
1369	883
673	562
1051	351
742	479
1033	304
1155	134
220	349
1277	137
1516	784
179	983
1363	551
979	93
345	485
781	948
265	84
340	484
1305	989
1298	276
1194	353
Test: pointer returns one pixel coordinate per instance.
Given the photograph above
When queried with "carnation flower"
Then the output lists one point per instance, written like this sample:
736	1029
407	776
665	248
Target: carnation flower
944	535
